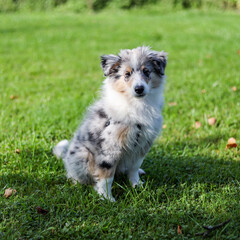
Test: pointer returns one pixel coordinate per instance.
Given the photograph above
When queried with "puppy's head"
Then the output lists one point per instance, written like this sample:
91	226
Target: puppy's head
135	72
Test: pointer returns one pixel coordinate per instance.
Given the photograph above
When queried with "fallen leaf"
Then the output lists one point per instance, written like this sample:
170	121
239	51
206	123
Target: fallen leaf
164	126
238	52
234	88
17	151
9	192
12	97
172	104
231	140
231	143
41	211
197	124
203	91
179	229
212	121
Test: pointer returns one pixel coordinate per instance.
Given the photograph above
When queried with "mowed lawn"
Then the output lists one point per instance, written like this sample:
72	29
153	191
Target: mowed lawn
50	72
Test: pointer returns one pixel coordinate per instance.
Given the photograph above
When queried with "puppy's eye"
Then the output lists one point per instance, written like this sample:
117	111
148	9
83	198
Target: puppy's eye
128	74
146	72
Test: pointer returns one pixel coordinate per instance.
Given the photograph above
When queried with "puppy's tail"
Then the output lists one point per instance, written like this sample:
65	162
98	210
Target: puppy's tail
61	148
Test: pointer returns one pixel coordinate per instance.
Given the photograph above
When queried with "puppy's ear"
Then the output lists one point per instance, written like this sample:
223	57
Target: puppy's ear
110	64
159	60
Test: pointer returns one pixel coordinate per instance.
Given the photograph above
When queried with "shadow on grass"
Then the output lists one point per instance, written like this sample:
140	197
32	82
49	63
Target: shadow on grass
164	165
180	163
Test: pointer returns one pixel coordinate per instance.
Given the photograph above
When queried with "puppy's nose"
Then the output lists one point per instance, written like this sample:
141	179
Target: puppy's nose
139	89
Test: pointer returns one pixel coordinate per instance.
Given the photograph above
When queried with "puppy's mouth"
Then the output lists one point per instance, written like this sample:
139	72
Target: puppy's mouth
140	95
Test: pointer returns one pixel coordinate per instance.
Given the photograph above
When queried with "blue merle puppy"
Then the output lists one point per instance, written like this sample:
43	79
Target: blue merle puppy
118	129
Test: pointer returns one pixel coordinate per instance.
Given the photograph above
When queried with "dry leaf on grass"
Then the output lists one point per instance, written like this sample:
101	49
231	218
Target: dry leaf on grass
171	104
238	52
17	151
212	121
197	124
234	88
179	229
231	143
41	211
164	126
9	192
203	91
12	97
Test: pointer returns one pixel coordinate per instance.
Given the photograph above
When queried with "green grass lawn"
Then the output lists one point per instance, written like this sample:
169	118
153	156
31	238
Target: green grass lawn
49	66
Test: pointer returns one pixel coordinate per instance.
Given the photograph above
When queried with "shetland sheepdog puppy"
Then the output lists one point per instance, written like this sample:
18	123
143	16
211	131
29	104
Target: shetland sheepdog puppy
119	128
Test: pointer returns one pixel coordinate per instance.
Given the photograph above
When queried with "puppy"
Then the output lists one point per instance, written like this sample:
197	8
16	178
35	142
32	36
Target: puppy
118	129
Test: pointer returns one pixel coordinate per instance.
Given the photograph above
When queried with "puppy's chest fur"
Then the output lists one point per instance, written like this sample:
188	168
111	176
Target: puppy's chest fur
111	139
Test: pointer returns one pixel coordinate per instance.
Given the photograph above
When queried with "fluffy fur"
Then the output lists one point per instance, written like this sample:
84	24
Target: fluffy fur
118	129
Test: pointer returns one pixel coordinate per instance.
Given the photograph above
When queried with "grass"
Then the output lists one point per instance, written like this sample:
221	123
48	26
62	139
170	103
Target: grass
49	64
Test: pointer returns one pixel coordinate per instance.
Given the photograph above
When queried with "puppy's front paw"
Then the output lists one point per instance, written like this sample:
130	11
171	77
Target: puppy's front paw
103	188
109	198
137	184
141	172
106	196
134	177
